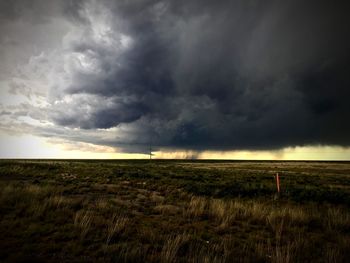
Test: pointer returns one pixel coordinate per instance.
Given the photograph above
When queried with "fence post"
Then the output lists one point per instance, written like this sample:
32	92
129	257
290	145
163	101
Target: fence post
278	183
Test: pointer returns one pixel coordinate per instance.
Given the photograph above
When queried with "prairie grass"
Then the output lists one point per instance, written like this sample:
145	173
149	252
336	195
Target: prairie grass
83	220
283	254
227	211
115	226
172	246
167	209
337	219
218	209
102	204
332	254
197	207
129	211
155	197
57	201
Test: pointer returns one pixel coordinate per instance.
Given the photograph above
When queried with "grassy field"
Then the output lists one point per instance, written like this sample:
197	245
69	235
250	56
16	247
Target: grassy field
174	211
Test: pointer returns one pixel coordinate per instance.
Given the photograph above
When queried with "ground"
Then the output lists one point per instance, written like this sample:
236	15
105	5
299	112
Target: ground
174	211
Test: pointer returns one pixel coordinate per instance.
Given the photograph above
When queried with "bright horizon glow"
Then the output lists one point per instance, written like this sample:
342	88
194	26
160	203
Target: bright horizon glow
33	147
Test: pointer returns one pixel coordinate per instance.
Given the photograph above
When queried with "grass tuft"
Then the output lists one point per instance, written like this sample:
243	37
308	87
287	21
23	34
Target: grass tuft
115	226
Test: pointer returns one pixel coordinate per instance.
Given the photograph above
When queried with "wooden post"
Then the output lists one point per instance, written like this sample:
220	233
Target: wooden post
150	152
278	183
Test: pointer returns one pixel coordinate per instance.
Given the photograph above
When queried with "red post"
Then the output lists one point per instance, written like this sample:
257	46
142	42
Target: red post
278	182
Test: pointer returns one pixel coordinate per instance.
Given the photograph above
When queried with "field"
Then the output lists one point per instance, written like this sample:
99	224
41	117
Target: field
174	211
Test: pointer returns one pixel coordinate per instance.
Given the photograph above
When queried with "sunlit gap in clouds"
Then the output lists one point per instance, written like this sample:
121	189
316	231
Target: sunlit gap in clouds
28	146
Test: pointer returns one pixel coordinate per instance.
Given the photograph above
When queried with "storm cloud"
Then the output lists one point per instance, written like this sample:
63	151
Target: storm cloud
196	75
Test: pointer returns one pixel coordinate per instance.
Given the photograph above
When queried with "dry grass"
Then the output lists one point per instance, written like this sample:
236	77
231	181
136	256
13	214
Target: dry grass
157	198
280	252
102	204
83	220
291	216
57	201
34	200
283	254
332	255
167	209
197	207
137	218
115	226
218	209
337	219
224	212
172	246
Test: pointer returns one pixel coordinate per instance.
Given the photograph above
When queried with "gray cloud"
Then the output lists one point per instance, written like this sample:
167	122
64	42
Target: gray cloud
197	74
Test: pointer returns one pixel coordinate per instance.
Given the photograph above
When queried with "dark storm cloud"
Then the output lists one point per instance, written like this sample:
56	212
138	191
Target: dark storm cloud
37	11
210	74
89	113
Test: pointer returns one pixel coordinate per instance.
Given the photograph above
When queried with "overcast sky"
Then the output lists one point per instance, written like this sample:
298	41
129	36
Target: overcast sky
188	76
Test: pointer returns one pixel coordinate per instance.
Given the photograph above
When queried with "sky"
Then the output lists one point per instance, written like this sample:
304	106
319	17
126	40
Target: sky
195	79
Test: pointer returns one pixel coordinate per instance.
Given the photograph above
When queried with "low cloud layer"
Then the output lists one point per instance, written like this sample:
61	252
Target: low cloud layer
194	75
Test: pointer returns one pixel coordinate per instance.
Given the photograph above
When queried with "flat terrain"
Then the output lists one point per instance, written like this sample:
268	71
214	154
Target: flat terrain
174	211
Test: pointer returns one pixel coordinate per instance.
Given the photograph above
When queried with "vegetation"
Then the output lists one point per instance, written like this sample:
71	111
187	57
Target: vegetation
173	211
